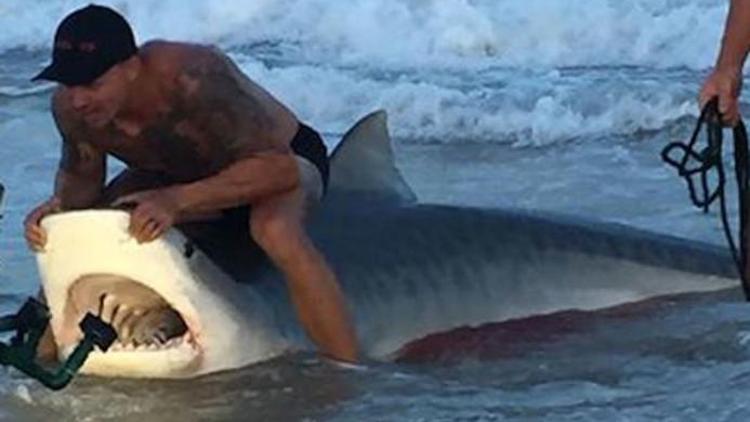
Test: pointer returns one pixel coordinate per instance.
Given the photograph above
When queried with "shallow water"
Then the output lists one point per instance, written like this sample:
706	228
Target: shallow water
541	105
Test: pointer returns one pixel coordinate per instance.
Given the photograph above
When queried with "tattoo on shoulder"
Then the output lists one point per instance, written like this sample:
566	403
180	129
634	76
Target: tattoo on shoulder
224	102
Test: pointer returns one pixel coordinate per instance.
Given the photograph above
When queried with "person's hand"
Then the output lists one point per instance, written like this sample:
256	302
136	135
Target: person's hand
153	213
725	84
36	236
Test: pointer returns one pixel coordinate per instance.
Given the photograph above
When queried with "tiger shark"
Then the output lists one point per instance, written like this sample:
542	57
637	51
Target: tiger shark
407	270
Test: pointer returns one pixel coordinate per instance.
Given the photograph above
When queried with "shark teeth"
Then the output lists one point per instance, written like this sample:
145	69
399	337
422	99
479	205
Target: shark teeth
186	340
175	342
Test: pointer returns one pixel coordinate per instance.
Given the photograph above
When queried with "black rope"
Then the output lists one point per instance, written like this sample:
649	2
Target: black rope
701	163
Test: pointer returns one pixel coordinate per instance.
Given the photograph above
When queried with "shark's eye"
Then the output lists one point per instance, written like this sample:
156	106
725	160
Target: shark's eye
188	250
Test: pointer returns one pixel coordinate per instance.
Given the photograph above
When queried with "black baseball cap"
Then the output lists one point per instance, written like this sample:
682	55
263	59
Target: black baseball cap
88	42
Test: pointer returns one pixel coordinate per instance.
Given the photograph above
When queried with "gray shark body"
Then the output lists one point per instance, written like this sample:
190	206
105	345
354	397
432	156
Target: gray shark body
407	269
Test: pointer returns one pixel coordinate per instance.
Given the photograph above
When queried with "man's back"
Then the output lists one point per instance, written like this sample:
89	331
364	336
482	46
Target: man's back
193	112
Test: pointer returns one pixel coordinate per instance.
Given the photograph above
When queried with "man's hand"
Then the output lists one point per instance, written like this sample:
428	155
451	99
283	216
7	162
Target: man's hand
36	236
725	84
154	212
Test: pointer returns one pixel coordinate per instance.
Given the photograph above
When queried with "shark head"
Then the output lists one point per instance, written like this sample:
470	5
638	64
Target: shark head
91	264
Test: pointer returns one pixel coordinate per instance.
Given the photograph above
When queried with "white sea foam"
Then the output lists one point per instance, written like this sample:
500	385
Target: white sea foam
523	73
662	33
528	110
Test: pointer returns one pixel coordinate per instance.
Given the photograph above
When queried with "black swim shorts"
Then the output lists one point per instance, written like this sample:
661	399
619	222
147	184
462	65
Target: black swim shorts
307	143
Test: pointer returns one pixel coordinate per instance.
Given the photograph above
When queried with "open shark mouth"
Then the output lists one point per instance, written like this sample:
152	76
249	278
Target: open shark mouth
149	328
175	313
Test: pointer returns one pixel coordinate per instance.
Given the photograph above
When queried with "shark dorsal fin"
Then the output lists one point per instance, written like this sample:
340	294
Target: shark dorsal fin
363	163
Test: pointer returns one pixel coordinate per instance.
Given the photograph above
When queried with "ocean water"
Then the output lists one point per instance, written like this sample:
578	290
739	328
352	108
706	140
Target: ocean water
542	105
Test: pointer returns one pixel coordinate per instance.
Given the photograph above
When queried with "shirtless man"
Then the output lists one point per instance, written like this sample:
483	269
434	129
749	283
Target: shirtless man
198	137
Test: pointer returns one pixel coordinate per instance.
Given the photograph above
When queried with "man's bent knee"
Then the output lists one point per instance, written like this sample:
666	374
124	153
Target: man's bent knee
275	231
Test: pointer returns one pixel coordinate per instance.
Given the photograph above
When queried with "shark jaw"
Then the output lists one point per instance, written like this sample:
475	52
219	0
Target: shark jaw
179	355
89	254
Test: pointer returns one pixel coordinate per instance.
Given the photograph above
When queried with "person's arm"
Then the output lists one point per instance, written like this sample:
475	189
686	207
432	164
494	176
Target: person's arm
243	182
736	40
725	81
81	171
261	167
78	182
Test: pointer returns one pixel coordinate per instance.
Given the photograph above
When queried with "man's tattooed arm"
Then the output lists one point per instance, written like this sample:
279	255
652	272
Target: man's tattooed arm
80	175
234	112
241	117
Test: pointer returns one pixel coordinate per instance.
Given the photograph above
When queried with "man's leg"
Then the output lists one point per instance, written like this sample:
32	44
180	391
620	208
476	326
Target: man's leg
277	225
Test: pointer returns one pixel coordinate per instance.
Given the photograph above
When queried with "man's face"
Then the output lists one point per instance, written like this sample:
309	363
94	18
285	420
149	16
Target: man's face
100	101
